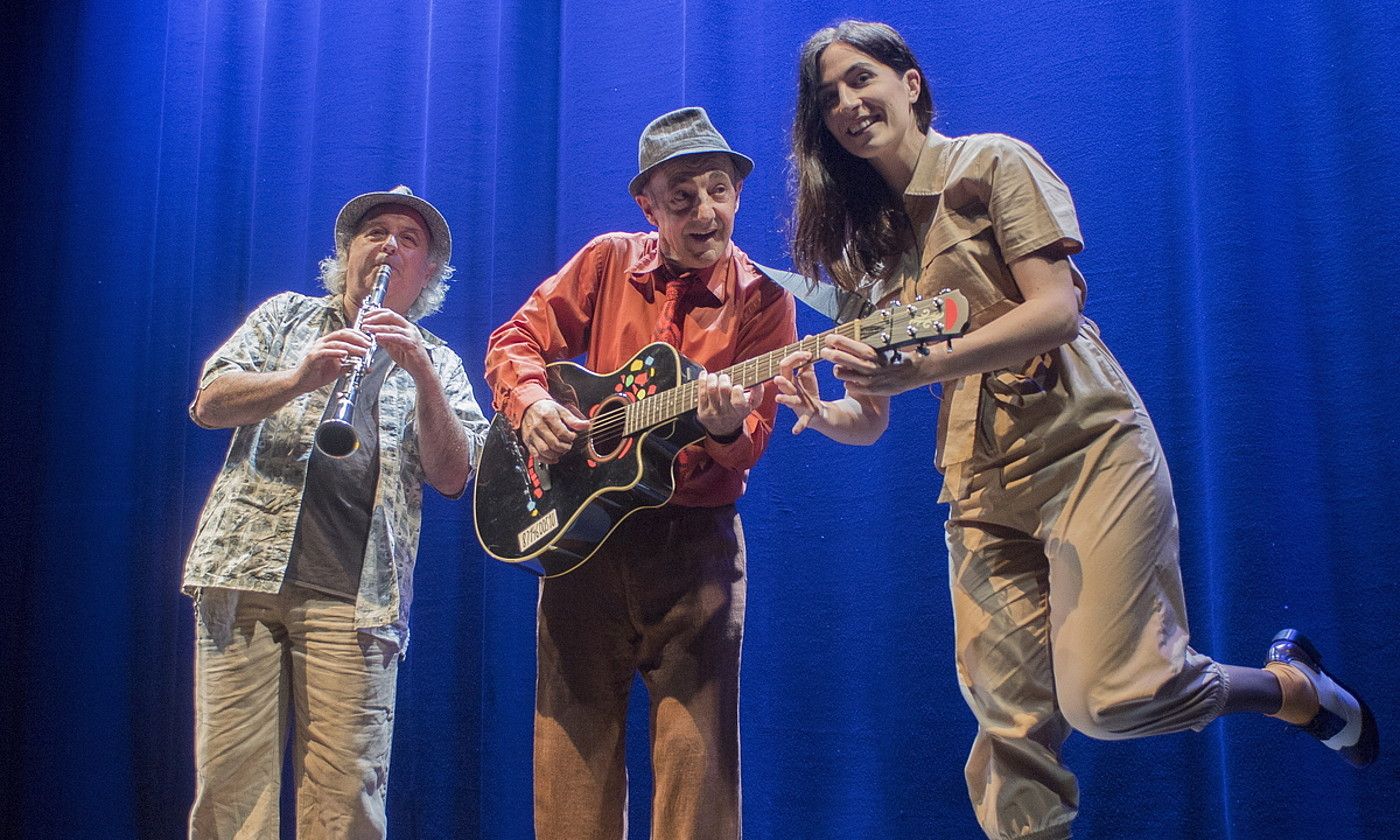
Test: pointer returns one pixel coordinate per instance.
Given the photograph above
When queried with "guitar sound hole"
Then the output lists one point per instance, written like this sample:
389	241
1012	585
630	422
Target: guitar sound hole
608	430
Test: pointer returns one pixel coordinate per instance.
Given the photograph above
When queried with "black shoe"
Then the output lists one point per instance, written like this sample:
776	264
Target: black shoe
1343	721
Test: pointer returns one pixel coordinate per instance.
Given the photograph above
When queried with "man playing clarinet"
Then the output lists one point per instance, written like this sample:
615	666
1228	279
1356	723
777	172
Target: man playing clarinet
302	562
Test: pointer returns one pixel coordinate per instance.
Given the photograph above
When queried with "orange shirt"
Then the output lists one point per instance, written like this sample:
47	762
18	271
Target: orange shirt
604	303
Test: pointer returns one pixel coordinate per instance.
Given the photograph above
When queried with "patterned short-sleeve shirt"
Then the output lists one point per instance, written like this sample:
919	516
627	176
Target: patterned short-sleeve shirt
244	536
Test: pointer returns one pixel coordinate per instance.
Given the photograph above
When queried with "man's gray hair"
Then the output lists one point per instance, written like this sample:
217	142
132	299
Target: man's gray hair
429	300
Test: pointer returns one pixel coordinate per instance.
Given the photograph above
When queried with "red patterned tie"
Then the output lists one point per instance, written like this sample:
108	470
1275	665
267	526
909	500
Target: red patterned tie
672	318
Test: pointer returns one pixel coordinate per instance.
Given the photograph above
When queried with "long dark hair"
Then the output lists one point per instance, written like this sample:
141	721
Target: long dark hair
845	219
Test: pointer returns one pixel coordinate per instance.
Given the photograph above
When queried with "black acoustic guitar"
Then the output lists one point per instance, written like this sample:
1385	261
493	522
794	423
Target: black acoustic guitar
550	518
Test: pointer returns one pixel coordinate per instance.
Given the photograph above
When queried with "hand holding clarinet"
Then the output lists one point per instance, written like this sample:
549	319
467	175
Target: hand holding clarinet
336	435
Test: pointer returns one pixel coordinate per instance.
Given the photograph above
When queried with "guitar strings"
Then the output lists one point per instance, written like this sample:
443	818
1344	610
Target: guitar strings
667	405
614	421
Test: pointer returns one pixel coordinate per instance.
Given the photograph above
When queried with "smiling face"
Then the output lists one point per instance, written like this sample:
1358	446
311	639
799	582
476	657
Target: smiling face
692	201
867	105
397	236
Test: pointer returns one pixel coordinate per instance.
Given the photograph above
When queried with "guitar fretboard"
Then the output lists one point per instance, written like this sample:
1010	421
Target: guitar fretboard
668	405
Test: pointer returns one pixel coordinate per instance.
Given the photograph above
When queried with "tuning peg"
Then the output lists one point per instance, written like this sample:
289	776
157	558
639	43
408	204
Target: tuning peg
910	330
896	357
894	304
949	342
918	298
923	349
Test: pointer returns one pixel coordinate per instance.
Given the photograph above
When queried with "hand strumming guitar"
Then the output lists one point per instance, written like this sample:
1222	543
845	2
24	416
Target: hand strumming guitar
549	430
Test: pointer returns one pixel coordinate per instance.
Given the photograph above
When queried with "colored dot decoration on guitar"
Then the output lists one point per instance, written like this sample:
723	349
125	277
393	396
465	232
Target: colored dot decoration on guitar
636	382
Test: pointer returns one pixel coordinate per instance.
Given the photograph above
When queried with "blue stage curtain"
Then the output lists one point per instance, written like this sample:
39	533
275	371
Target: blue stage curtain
167	165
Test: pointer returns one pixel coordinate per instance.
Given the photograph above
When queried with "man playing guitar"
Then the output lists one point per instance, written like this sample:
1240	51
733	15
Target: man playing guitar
664	595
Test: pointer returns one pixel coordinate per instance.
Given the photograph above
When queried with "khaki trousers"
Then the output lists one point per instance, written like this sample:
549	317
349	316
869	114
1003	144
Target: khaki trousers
663	597
294	651
1067	596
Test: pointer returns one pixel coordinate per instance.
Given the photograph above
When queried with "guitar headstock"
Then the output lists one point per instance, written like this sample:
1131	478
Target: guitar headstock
940	318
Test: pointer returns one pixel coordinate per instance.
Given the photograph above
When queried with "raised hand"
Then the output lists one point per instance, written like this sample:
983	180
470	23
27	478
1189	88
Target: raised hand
400	339
866	373
328	357
798	388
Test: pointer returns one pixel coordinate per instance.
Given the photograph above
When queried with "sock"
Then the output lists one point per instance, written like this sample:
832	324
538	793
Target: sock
1300	704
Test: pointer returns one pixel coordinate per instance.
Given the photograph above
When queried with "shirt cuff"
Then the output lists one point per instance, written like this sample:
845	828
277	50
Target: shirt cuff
204	382
520	400
725	440
736	454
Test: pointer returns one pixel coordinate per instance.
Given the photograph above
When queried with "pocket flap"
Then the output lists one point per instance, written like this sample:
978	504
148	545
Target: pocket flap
948	229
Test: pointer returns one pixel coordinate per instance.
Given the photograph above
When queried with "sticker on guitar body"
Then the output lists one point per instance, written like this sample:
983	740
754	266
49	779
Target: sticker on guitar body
536	531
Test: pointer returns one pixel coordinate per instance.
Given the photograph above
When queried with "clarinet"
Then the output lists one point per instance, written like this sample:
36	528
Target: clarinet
336	435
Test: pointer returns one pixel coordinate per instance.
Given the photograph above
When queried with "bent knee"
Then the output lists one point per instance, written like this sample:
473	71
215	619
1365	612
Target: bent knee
1100	719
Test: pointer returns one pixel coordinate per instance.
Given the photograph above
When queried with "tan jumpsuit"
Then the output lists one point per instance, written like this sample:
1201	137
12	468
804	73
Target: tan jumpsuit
1062	533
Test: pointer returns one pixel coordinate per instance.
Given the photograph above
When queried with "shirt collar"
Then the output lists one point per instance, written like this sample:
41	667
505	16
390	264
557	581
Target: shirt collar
648	273
335	305
931	170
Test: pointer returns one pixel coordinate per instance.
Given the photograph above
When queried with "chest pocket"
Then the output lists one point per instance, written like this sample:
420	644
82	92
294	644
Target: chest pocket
947	229
960	252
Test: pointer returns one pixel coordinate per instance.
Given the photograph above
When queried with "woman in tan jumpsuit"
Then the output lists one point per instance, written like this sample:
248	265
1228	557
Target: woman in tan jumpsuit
1062	534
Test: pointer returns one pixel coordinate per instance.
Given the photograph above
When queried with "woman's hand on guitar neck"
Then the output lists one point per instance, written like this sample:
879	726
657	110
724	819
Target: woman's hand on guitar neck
549	430
798	389
857	420
866	373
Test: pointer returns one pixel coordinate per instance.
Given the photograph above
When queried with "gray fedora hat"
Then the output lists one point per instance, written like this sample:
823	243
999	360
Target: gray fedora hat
687	131
358	207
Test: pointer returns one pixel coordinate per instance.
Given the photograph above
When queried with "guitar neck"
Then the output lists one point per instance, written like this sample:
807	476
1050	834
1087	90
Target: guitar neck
666	406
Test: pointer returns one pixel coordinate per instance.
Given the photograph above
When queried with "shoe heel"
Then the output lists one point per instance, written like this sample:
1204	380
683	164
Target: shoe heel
1302	642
